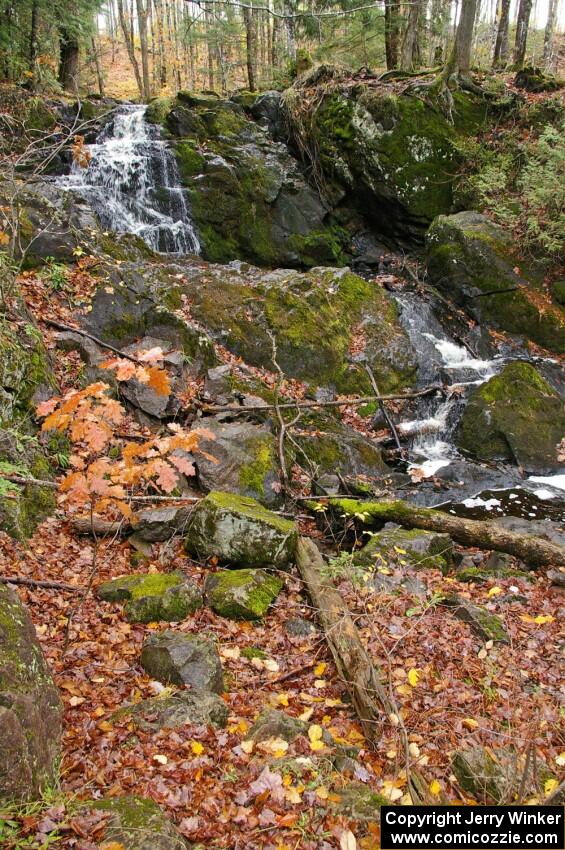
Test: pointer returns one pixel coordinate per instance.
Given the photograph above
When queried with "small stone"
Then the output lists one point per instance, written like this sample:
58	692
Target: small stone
192	707
240	532
179	659
158	524
298	627
242	594
486	625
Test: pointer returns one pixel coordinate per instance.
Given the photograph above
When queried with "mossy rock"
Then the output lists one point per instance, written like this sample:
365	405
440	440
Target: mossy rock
475	262
30	708
240	532
151	597
242	594
138	823
194	707
407	547
180	659
480	576
359	802
314	316
487	776
486	626
516	416
158	109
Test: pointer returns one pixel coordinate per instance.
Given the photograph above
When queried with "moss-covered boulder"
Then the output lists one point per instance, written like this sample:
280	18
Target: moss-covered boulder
248	196
326	446
180	659
475	262
239	457
486	776
406	547
151	597
194	708
137	823
242	594
516	416
359	802
30	708
486	626
394	157
317	319
240	532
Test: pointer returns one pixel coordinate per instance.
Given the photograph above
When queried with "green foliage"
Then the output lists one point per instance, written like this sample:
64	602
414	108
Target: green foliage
518	178
56	273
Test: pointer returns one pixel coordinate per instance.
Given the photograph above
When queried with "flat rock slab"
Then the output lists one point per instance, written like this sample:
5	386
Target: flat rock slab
487	626
137	823
194	707
179	659
30	707
242	594
240	532
411	547
151	597
157	524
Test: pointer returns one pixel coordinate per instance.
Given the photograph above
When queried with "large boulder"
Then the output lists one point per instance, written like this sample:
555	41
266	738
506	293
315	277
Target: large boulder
30	708
151	597
240	532
137	823
248	196
239	457
327	324
242	594
476	263
410	547
516	416
381	152
179	659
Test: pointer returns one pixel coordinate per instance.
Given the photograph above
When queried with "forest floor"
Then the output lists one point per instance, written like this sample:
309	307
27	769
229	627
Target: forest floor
452	689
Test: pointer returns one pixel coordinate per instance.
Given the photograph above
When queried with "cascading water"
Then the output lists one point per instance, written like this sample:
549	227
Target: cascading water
132	183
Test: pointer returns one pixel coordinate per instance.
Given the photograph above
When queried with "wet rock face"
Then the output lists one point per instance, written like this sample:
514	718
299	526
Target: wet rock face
240	532
179	659
515	416
242	594
249	198
475	262
30	707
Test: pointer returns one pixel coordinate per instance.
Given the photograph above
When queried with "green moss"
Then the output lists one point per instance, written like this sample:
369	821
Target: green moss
321	247
190	161
158	110
153	596
38	116
251	652
252	475
249	508
242	594
478	575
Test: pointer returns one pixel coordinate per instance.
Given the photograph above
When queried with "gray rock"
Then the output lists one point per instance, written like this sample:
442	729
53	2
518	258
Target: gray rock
151	597
158	524
242	459
417	548
298	627
242	594
270	112
30	708
137	823
487	626
195	708
180	659
240	532
556	577
486	776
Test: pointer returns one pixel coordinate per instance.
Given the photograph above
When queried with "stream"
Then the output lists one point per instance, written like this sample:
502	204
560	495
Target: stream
132	183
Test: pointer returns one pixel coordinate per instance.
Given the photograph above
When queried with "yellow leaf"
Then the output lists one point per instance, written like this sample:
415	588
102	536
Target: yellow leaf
292	795
316	745
322	793
274	746
315	732
495	591
469	723
247	746
347	840
400	551
112	845
550	786
404	690
104	726
281	699
560	759
161	759
414	676
543	618
435	788
319	683
197	748
320	669
306	715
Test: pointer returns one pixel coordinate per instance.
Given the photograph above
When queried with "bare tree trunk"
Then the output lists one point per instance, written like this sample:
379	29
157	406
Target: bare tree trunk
33	42
500	57
97	65
210	50
522	25
68	61
130	46
290	30
410	40
460	59
391	34
548	37
142	11
250	55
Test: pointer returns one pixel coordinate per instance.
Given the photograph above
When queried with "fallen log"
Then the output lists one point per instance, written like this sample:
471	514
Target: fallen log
32	582
99	527
534	551
369	696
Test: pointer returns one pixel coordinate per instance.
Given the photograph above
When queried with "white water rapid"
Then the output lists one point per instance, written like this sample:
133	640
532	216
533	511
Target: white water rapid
132	183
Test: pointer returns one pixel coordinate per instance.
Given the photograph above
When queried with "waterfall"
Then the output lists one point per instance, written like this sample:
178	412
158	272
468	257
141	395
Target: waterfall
133	185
